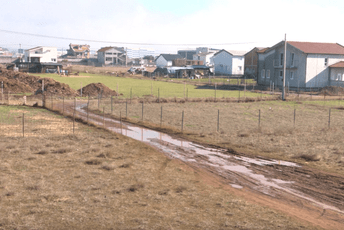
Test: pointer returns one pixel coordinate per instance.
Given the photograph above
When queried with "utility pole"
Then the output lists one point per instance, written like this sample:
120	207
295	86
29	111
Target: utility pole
284	67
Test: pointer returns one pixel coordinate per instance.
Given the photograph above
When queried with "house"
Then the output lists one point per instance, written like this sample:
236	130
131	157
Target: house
41	54
229	63
79	51
187	54
112	56
308	64
251	62
336	74
164	60
206	58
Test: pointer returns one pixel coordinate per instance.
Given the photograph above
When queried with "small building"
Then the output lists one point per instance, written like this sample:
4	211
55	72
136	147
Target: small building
229	63
164	60
112	56
251	62
78	51
308	64
187	54
206	58
41	54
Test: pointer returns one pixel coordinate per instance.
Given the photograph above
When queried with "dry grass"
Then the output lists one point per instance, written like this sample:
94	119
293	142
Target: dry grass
311	141
100	180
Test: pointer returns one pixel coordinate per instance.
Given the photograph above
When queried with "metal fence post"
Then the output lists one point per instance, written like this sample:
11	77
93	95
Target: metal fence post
142	111
294	117
182	120
259	120
329	118
161	117
218	120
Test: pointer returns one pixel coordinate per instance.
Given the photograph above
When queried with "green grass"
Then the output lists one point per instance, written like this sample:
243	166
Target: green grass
142	87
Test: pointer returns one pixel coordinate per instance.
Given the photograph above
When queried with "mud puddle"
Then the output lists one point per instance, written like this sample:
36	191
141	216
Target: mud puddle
278	179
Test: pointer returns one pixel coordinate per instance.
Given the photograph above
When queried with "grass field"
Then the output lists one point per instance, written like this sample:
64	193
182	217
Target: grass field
314	140
145	86
94	179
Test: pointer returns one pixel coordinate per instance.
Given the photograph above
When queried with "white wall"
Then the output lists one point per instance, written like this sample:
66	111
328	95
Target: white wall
316	72
161	62
223	63
46	54
238	61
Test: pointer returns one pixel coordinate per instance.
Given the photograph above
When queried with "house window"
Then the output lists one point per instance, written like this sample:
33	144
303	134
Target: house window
281	59
339	77
326	61
108	53
263	73
239	68
108	59
53	59
291	75
281	74
292	59
268	73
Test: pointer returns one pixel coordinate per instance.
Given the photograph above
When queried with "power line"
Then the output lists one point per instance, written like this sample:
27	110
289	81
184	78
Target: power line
128	43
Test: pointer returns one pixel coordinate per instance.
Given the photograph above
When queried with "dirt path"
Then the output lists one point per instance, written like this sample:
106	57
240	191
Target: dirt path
305	193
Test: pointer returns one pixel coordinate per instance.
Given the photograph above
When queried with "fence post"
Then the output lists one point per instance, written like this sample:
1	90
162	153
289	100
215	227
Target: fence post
120	119
142	111
187	94
182	120
329	118
81	89
158	95
126	108
239	96
294	117
98	100
111	104
104	116
23	123
52	102
161	117
62	106
218	120
184	89
259	119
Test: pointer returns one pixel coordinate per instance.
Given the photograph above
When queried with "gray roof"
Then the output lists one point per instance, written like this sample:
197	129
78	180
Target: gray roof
170	57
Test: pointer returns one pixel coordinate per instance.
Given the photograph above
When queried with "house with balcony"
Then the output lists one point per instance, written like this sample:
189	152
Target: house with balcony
308	64
112	56
41	54
251	62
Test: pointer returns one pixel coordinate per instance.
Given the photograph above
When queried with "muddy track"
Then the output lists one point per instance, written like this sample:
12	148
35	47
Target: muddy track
309	194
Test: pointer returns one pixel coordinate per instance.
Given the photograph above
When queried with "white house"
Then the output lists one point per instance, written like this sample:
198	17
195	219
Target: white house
112	56
205	57
164	60
41	54
229	62
308	64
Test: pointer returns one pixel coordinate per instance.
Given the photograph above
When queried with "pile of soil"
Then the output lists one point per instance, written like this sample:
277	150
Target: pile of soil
94	89
16	82
332	91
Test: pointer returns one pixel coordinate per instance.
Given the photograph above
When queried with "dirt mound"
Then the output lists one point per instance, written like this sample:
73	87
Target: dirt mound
332	91
16	82
94	89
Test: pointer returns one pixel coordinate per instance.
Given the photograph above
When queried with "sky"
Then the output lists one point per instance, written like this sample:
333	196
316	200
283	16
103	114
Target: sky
168	26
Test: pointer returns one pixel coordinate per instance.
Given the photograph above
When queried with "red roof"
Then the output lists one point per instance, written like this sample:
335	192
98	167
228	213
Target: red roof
338	65
318	48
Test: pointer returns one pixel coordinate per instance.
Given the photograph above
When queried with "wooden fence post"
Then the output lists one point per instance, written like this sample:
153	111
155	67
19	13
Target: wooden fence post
161	117
182	120
259	120
142	111
218	120
329	118
294	117
23	123
104	117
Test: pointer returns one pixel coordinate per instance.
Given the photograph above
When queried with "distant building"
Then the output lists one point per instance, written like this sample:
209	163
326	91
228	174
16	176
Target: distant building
79	51
187	54
229	63
112	56
139	53
251	62
164	60
41	54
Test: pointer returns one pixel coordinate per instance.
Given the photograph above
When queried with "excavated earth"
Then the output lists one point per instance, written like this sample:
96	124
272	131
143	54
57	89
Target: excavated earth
16	82
95	89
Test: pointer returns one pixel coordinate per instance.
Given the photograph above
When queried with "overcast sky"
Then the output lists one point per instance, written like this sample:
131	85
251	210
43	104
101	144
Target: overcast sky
227	24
